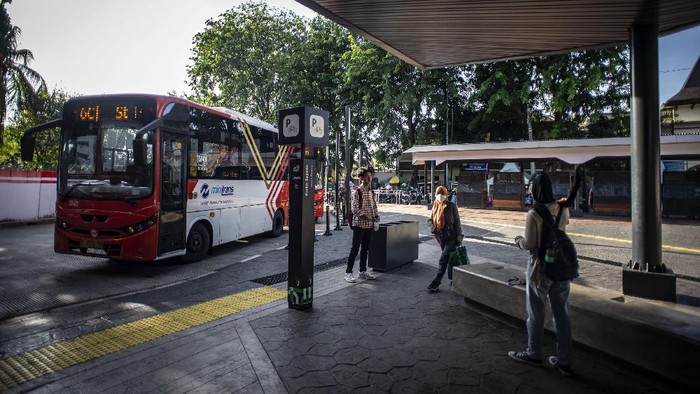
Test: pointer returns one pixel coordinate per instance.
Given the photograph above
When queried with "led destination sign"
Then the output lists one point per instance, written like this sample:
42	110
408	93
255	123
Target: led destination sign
119	112
125	110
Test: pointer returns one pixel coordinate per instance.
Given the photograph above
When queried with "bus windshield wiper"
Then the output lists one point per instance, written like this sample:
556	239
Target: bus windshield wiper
129	200
70	189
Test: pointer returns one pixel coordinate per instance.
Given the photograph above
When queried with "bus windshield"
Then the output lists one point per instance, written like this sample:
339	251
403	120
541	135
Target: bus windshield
97	162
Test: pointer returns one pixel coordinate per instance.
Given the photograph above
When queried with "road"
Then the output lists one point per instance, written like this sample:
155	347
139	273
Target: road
34	278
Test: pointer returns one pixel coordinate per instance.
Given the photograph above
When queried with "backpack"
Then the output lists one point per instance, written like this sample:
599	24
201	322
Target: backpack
350	215
557	251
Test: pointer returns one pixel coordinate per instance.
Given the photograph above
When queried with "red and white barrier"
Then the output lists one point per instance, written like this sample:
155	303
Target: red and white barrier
27	195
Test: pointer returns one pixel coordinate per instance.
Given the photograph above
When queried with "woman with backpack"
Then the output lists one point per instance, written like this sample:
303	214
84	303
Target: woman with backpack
539	286
445	224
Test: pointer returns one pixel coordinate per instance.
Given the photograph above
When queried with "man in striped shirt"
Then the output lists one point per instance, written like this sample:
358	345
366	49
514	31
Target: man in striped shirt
365	215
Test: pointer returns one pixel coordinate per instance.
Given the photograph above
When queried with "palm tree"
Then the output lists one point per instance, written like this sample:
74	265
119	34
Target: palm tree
19	84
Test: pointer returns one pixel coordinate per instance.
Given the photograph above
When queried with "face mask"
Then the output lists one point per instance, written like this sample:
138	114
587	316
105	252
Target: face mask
440	197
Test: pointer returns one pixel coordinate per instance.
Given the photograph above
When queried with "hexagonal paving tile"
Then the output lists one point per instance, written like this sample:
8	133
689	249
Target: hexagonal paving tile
352	355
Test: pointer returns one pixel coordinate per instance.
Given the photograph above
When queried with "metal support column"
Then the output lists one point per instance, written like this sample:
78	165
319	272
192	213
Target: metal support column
327	198
645	149
431	191
646	276
336	177
426	189
348	166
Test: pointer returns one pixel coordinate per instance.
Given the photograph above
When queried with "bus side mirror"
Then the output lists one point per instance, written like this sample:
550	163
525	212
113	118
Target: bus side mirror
28	142
140	152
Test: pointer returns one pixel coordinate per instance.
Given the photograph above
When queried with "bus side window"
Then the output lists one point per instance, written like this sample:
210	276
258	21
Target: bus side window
266	146
249	167
215	153
193	153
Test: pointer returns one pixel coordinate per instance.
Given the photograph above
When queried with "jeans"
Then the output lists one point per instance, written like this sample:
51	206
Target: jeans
448	247
360	236
535	297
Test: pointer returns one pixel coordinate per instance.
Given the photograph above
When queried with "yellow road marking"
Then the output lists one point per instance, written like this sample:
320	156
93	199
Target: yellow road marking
628	241
30	365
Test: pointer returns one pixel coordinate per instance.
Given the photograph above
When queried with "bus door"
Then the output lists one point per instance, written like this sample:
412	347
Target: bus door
172	193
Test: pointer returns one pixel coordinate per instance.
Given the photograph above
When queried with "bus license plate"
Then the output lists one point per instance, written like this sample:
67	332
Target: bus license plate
91	244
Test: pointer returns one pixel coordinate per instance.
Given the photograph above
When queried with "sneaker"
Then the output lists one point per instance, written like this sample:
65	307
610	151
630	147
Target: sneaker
523	357
432	288
563	369
349	278
366	275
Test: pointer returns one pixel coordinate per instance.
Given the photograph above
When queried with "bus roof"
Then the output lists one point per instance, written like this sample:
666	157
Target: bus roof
249	119
231	113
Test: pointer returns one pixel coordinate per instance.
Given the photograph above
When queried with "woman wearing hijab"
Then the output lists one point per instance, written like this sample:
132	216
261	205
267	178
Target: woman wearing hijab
539	287
447	229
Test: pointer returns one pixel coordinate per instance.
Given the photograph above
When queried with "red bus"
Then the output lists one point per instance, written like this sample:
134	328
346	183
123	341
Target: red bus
147	177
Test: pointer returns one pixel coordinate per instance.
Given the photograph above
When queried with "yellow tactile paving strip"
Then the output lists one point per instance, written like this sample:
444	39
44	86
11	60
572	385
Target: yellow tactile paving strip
27	366
628	241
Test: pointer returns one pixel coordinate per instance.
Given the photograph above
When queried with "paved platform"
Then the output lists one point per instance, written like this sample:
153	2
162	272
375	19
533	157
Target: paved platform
388	335
655	335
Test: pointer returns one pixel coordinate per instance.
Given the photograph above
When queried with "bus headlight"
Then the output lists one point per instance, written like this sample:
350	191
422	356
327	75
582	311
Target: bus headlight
141	226
61	224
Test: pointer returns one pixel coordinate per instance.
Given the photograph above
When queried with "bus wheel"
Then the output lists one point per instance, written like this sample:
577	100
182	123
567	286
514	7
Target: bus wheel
197	243
277	225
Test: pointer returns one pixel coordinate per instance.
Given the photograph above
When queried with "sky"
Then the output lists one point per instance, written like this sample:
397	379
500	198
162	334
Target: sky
144	46
127	46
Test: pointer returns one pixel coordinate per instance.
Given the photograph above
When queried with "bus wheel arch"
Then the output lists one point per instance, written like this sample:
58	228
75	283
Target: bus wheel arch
198	241
277	224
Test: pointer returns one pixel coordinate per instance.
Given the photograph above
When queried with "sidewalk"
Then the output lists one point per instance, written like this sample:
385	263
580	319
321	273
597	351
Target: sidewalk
388	335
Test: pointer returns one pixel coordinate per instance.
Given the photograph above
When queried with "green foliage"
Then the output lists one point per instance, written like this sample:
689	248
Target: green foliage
48	106
574	95
19	84
317	77
258	59
403	104
244	60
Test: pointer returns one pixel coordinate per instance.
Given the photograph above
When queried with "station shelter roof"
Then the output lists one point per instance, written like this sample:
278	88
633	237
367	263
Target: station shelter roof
439	33
573	151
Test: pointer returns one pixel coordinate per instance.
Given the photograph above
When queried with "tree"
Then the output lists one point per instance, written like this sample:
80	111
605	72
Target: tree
502	98
258	59
48	106
317	77
586	93
243	60
318	68
574	95
19	84
395	101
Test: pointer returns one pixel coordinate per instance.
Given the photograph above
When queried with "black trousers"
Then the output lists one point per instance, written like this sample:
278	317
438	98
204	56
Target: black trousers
360	237
448	247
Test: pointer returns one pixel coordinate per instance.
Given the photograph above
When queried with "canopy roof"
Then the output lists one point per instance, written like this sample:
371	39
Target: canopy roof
575	151
438	33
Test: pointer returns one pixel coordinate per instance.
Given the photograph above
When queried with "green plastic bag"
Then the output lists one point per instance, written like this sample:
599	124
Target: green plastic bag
458	257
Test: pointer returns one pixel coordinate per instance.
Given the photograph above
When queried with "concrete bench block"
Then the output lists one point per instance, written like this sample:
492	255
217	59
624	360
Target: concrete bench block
659	336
